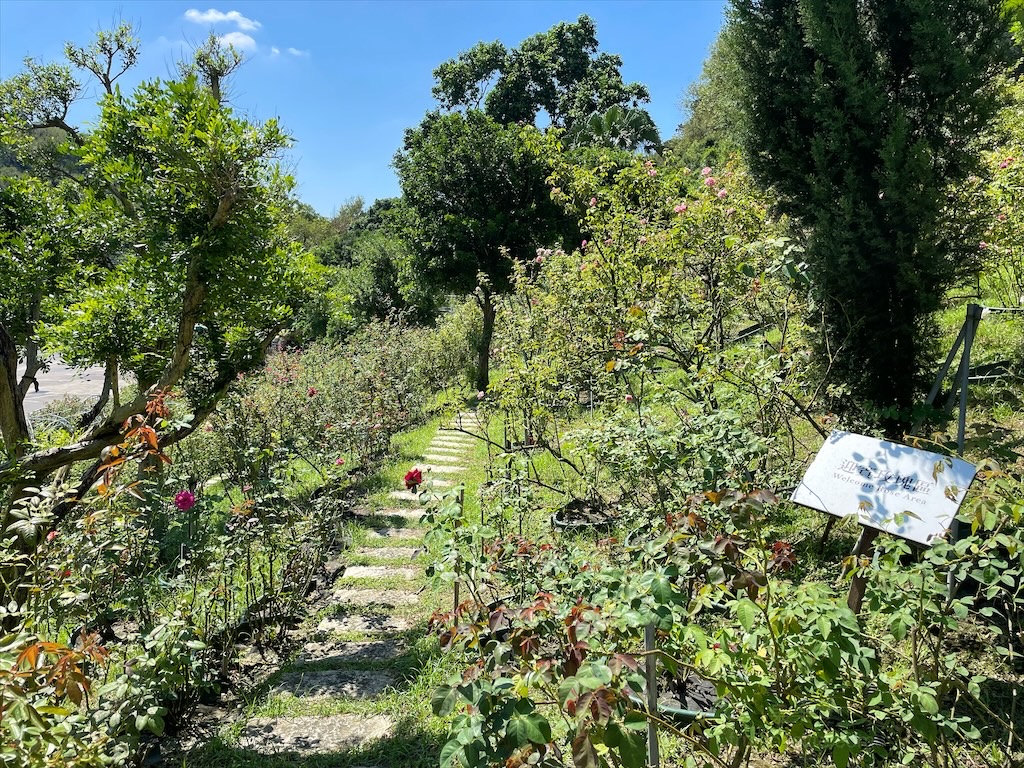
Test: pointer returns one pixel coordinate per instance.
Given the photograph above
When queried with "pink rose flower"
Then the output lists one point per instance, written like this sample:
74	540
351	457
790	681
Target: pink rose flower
709	181
681	208
51	536
184	500
339	461
722	194
705	171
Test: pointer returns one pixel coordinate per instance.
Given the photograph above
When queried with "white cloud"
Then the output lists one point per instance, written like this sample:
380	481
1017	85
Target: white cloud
213	16
274	50
297	52
239	40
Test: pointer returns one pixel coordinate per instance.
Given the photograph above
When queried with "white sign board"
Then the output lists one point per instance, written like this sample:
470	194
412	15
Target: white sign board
901	490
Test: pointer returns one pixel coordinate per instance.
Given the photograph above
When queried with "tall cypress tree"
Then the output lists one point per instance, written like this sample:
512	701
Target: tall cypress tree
864	118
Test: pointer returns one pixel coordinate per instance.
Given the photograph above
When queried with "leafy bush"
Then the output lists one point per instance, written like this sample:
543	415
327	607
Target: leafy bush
552	649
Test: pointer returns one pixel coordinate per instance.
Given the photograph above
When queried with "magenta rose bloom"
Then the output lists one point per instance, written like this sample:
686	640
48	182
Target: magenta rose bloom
184	500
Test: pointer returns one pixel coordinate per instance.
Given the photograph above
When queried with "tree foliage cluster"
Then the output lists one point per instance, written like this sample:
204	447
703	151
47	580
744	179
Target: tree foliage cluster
162	255
473	181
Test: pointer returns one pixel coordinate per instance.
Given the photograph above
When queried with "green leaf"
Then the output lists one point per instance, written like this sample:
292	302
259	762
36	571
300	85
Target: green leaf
528	729
633	750
635	721
451	752
443	700
662	589
746	614
928	703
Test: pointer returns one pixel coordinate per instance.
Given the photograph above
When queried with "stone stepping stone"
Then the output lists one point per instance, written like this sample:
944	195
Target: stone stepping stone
315	652
412	498
444	469
380	572
335	683
393	533
444	454
454	442
364	623
436	482
382	597
450	453
443	462
412	515
310	734
463	429
391	553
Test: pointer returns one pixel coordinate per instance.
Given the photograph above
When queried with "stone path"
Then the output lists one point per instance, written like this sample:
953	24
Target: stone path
354	654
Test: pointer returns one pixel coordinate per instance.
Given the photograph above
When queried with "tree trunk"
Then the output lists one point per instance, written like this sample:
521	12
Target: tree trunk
13	424
483	360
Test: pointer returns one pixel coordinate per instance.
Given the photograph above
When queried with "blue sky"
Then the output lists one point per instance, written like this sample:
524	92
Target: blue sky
347	78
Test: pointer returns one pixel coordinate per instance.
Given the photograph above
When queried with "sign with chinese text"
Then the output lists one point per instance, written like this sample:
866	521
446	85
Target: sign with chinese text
901	490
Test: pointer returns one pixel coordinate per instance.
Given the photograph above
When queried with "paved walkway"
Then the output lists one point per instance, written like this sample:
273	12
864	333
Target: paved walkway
356	651
61	380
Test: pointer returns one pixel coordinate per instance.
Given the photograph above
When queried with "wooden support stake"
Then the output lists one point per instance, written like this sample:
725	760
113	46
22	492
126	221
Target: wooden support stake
651	663
461	501
859	584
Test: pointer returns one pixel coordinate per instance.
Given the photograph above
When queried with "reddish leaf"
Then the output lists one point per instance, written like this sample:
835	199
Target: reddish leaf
584	755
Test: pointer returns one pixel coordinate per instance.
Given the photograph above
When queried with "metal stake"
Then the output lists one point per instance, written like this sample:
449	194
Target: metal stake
653	757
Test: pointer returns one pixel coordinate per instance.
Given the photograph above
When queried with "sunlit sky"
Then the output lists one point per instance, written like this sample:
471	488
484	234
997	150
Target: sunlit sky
347	78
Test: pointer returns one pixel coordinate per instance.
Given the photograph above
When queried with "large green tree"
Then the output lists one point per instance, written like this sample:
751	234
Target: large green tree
558	72
477	193
864	118
475	188
163	255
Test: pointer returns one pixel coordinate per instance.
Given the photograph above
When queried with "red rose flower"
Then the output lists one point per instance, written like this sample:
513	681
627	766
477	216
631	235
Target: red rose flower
413	478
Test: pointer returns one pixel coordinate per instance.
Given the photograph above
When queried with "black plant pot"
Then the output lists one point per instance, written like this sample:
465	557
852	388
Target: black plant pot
582	515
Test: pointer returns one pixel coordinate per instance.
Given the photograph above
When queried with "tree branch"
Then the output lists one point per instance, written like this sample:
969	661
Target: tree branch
92	473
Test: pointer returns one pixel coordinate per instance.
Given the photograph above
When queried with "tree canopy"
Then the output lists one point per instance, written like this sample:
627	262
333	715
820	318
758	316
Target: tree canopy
479	200
558	72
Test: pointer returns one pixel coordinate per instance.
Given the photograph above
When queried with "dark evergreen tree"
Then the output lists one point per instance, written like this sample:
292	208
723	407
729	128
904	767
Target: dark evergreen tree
864	119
